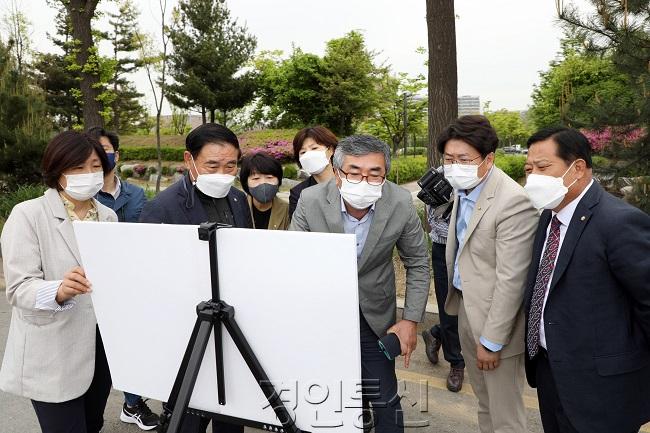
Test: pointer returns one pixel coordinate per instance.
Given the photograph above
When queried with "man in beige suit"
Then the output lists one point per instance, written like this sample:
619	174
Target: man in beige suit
488	252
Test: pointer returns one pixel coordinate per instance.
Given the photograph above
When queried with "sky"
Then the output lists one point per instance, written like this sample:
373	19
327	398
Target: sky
502	45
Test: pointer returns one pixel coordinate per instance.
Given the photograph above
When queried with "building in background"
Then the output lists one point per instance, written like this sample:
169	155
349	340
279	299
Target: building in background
469	105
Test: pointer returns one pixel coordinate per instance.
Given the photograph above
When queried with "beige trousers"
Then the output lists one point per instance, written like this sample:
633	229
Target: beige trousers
499	391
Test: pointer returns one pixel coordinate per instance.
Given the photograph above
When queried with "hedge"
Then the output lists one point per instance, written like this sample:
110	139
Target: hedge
128	153
407	168
512	165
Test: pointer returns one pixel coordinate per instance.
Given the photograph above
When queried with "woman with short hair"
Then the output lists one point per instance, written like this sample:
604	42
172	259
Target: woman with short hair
54	354
261	177
313	149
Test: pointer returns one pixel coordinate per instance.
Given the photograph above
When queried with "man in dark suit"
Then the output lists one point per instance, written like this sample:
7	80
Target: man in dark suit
588	294
204	194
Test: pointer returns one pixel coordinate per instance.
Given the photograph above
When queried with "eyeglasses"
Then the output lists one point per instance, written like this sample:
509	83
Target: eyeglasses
463	161
372	179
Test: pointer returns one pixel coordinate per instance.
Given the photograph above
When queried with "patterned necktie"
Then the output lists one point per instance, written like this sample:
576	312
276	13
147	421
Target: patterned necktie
541	284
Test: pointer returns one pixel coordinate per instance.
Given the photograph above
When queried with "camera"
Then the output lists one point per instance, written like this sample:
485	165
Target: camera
436	190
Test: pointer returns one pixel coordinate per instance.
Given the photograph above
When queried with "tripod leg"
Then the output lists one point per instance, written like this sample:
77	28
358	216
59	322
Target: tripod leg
258	372
183	367
189	376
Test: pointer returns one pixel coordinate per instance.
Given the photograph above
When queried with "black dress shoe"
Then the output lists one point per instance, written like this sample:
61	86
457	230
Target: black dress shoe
455	379
432	345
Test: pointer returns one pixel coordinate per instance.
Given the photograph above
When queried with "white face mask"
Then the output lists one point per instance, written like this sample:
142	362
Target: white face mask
463	176
547	192
215	185
360	195
314	161
85	186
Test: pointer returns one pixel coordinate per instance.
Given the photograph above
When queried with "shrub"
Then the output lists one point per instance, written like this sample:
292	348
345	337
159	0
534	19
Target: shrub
280	150
290	171
152	169
407	168
140	170
127	173
166	170
512	165
150	194
600	162
22	193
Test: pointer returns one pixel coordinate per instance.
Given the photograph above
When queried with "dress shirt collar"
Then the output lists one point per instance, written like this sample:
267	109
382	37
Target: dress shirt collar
476	192
345	211
566	213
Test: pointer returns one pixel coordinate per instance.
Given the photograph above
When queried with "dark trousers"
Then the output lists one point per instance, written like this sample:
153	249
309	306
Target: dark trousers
447	330
554	420
84	414
379	385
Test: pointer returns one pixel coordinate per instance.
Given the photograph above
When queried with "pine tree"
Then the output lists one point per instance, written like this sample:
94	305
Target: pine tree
126	111
619	30
58	78
210	48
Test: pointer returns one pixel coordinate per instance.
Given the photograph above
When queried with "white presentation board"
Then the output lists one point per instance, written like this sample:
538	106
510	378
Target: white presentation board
296	301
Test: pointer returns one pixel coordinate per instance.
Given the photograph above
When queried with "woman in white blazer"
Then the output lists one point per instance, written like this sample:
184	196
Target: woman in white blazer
54	354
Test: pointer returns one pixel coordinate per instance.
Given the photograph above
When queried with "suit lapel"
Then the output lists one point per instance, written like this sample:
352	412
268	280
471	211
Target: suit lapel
482	204
538	249
190	203
380	218
578	223
64	228
332	210
236	208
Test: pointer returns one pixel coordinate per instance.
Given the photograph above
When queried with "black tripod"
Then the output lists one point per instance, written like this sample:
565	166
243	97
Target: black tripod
211	314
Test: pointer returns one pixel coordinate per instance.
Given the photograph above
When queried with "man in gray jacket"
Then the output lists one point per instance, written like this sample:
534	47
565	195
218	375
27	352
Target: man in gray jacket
382	216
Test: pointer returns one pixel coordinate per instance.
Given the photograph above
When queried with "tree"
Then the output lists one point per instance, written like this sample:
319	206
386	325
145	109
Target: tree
443	77
59	78
180	120
210	50
126	110
290	88
17	25
338	90
23	131
348	82
87	59
511	126
152	60
582	89
387	118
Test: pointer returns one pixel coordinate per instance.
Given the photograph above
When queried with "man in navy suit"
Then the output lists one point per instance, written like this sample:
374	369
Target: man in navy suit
204	194
587	297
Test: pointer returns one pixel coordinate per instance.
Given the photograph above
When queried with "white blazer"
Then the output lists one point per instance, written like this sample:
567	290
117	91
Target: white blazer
50	356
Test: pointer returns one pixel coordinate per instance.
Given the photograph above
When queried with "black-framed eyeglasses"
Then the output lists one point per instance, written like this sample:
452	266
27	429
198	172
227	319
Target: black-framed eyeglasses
463	161
372	179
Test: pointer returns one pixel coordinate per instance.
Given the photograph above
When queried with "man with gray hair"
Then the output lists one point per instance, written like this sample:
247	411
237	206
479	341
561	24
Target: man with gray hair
360	201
